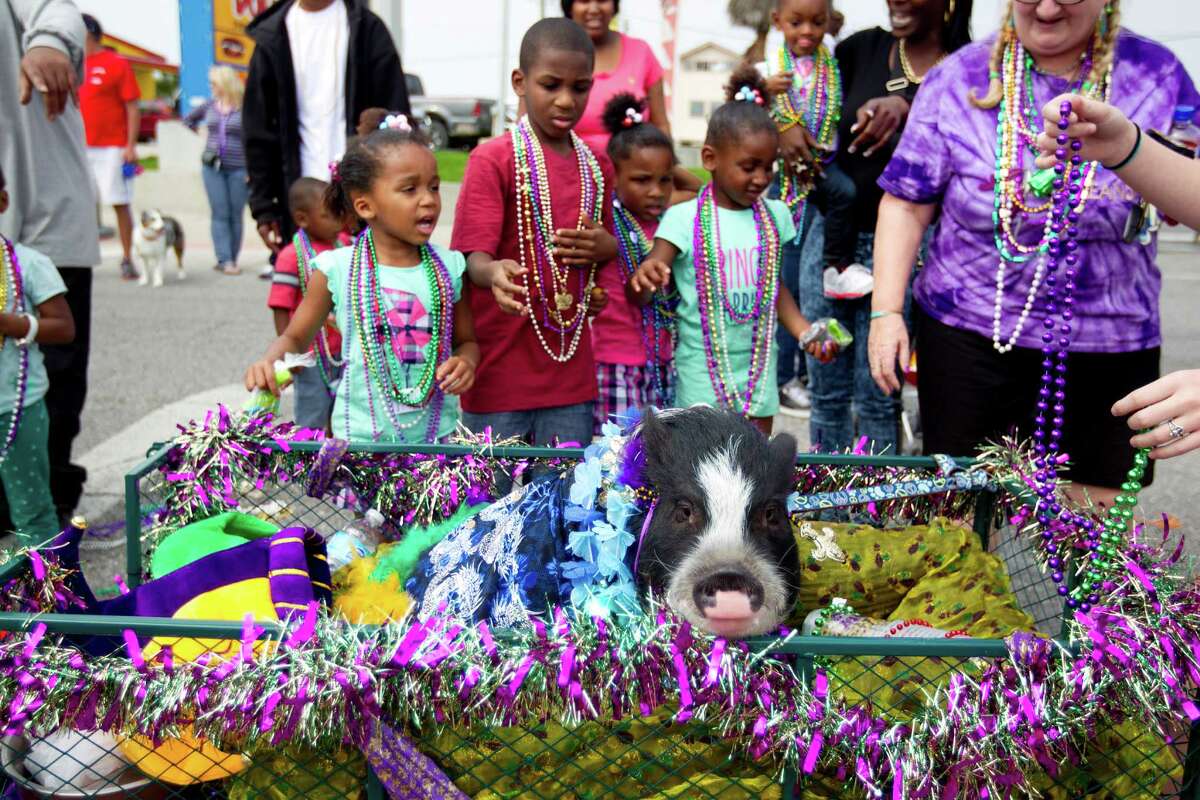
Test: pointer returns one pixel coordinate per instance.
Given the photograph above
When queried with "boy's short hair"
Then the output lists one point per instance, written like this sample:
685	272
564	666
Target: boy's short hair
554	33
305	194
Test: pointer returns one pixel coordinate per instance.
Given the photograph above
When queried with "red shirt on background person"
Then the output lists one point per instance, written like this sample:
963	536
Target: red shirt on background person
108	101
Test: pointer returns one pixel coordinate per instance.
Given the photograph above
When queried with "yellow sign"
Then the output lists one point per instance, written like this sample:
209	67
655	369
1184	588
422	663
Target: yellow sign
230	17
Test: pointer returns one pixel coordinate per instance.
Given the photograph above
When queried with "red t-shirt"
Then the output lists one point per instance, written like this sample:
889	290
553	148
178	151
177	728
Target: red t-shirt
515	373
285	288
108	84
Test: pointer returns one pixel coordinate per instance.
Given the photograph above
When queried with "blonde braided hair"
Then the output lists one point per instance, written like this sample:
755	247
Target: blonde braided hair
1107	27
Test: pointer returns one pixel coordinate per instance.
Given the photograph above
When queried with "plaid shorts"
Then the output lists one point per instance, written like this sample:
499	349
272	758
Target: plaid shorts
623	387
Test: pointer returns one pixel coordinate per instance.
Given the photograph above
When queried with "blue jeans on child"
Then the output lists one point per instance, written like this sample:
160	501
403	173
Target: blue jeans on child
313	403
227	192
843	389
540	427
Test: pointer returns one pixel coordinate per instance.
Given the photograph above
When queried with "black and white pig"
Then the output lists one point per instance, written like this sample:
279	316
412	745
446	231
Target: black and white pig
719	548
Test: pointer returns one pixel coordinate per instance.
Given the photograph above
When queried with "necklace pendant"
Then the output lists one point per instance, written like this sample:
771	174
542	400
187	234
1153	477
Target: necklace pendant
563	300
1041	183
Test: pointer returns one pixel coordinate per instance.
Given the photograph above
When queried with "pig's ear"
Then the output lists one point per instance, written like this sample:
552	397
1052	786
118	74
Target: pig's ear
782	455
656	436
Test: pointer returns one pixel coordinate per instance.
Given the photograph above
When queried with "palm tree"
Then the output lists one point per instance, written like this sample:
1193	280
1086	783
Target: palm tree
756	15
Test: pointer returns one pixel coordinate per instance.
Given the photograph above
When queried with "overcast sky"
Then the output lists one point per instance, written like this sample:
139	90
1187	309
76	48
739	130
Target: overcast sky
455	45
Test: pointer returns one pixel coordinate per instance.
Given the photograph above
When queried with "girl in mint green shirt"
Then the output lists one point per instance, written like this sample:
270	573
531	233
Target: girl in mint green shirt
408	341
722	251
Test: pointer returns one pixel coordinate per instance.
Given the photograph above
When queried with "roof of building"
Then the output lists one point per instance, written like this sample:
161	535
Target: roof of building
719	49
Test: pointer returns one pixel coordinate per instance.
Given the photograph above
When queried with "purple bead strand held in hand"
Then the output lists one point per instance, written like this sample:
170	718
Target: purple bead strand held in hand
1102	538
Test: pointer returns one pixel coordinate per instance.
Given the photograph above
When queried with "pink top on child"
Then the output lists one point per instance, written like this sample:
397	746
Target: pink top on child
636	72
617	336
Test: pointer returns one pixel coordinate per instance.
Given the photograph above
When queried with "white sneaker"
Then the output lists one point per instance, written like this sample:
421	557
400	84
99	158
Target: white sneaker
853	282
794	400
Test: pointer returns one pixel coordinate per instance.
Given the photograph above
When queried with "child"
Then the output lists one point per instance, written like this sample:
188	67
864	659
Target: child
409	345
532	217
806	88
724	249
632	343
33	309
316	231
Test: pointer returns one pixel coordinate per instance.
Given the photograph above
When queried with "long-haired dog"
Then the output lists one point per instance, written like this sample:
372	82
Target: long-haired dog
155	235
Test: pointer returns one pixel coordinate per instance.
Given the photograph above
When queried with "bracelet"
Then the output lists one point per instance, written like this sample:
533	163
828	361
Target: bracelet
881	314
1137	145
31	334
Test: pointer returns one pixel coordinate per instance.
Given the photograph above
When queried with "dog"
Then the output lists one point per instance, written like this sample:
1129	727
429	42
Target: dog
715	541
155	235
719	547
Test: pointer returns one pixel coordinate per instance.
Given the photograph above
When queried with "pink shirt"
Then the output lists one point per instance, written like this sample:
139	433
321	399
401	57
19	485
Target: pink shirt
636	72
617	330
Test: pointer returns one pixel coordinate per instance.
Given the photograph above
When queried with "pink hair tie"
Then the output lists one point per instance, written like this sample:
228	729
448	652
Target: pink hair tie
335	171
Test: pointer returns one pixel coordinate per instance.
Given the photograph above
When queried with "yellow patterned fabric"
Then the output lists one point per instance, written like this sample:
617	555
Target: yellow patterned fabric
302	774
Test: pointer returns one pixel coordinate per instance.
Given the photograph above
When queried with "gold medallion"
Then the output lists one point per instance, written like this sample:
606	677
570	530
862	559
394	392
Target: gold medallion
563	300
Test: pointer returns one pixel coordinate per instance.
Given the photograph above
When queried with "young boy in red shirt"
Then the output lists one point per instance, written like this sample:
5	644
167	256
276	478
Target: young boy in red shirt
534	218
314	392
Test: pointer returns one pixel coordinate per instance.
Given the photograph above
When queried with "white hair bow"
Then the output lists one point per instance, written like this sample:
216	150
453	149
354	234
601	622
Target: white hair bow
633	117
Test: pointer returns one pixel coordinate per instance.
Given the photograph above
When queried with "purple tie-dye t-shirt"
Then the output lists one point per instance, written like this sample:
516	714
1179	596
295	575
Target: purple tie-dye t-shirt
947	156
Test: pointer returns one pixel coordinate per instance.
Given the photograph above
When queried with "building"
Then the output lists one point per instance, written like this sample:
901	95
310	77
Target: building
699	90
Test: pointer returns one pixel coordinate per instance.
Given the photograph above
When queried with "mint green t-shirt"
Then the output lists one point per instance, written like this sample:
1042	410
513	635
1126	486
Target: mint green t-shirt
739	243
408	300
40	282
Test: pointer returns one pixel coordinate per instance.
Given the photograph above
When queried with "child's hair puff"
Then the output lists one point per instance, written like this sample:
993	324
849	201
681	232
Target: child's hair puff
358	169
745	110
626	118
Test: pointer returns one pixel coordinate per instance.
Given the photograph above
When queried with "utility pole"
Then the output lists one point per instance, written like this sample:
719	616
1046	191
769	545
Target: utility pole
502	96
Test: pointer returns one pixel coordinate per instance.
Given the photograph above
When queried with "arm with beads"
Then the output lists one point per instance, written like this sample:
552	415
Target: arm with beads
55	324
456	374
297	338
654	273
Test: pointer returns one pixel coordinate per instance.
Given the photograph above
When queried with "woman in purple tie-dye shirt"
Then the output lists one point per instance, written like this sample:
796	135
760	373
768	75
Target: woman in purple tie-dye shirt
978	327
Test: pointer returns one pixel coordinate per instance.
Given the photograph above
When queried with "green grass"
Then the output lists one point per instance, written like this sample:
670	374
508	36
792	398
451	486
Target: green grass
700	172
149	163
452	164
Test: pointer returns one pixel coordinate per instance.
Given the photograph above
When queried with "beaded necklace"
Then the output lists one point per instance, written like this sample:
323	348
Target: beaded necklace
1103	538
12	285
714	301
658	316
551	282
1016	134
819	111
329	365
383	363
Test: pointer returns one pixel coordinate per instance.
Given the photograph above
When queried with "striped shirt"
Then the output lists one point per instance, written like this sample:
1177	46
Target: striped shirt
224	133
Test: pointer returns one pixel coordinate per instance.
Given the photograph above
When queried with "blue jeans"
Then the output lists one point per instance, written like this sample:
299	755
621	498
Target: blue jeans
313	403
540	427
843	389
791	363
227	192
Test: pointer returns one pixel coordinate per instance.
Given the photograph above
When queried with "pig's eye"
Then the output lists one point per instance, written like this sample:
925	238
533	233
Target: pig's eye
683	514
773	514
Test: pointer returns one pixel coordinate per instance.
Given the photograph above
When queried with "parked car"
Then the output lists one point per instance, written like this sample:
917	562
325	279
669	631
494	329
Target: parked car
450	120
152	112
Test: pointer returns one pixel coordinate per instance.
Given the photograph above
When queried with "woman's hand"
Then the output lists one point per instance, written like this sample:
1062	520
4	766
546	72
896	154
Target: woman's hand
887	346
1174	398
1106	133
455	375
509	294
877	120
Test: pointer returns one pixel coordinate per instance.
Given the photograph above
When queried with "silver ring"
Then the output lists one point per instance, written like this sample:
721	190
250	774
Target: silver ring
1176	431
870	112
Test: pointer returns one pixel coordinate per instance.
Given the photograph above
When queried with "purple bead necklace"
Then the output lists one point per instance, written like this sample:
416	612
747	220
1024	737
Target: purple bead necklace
1102	538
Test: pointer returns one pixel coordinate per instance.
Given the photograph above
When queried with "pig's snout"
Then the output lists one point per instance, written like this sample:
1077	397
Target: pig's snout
728	601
